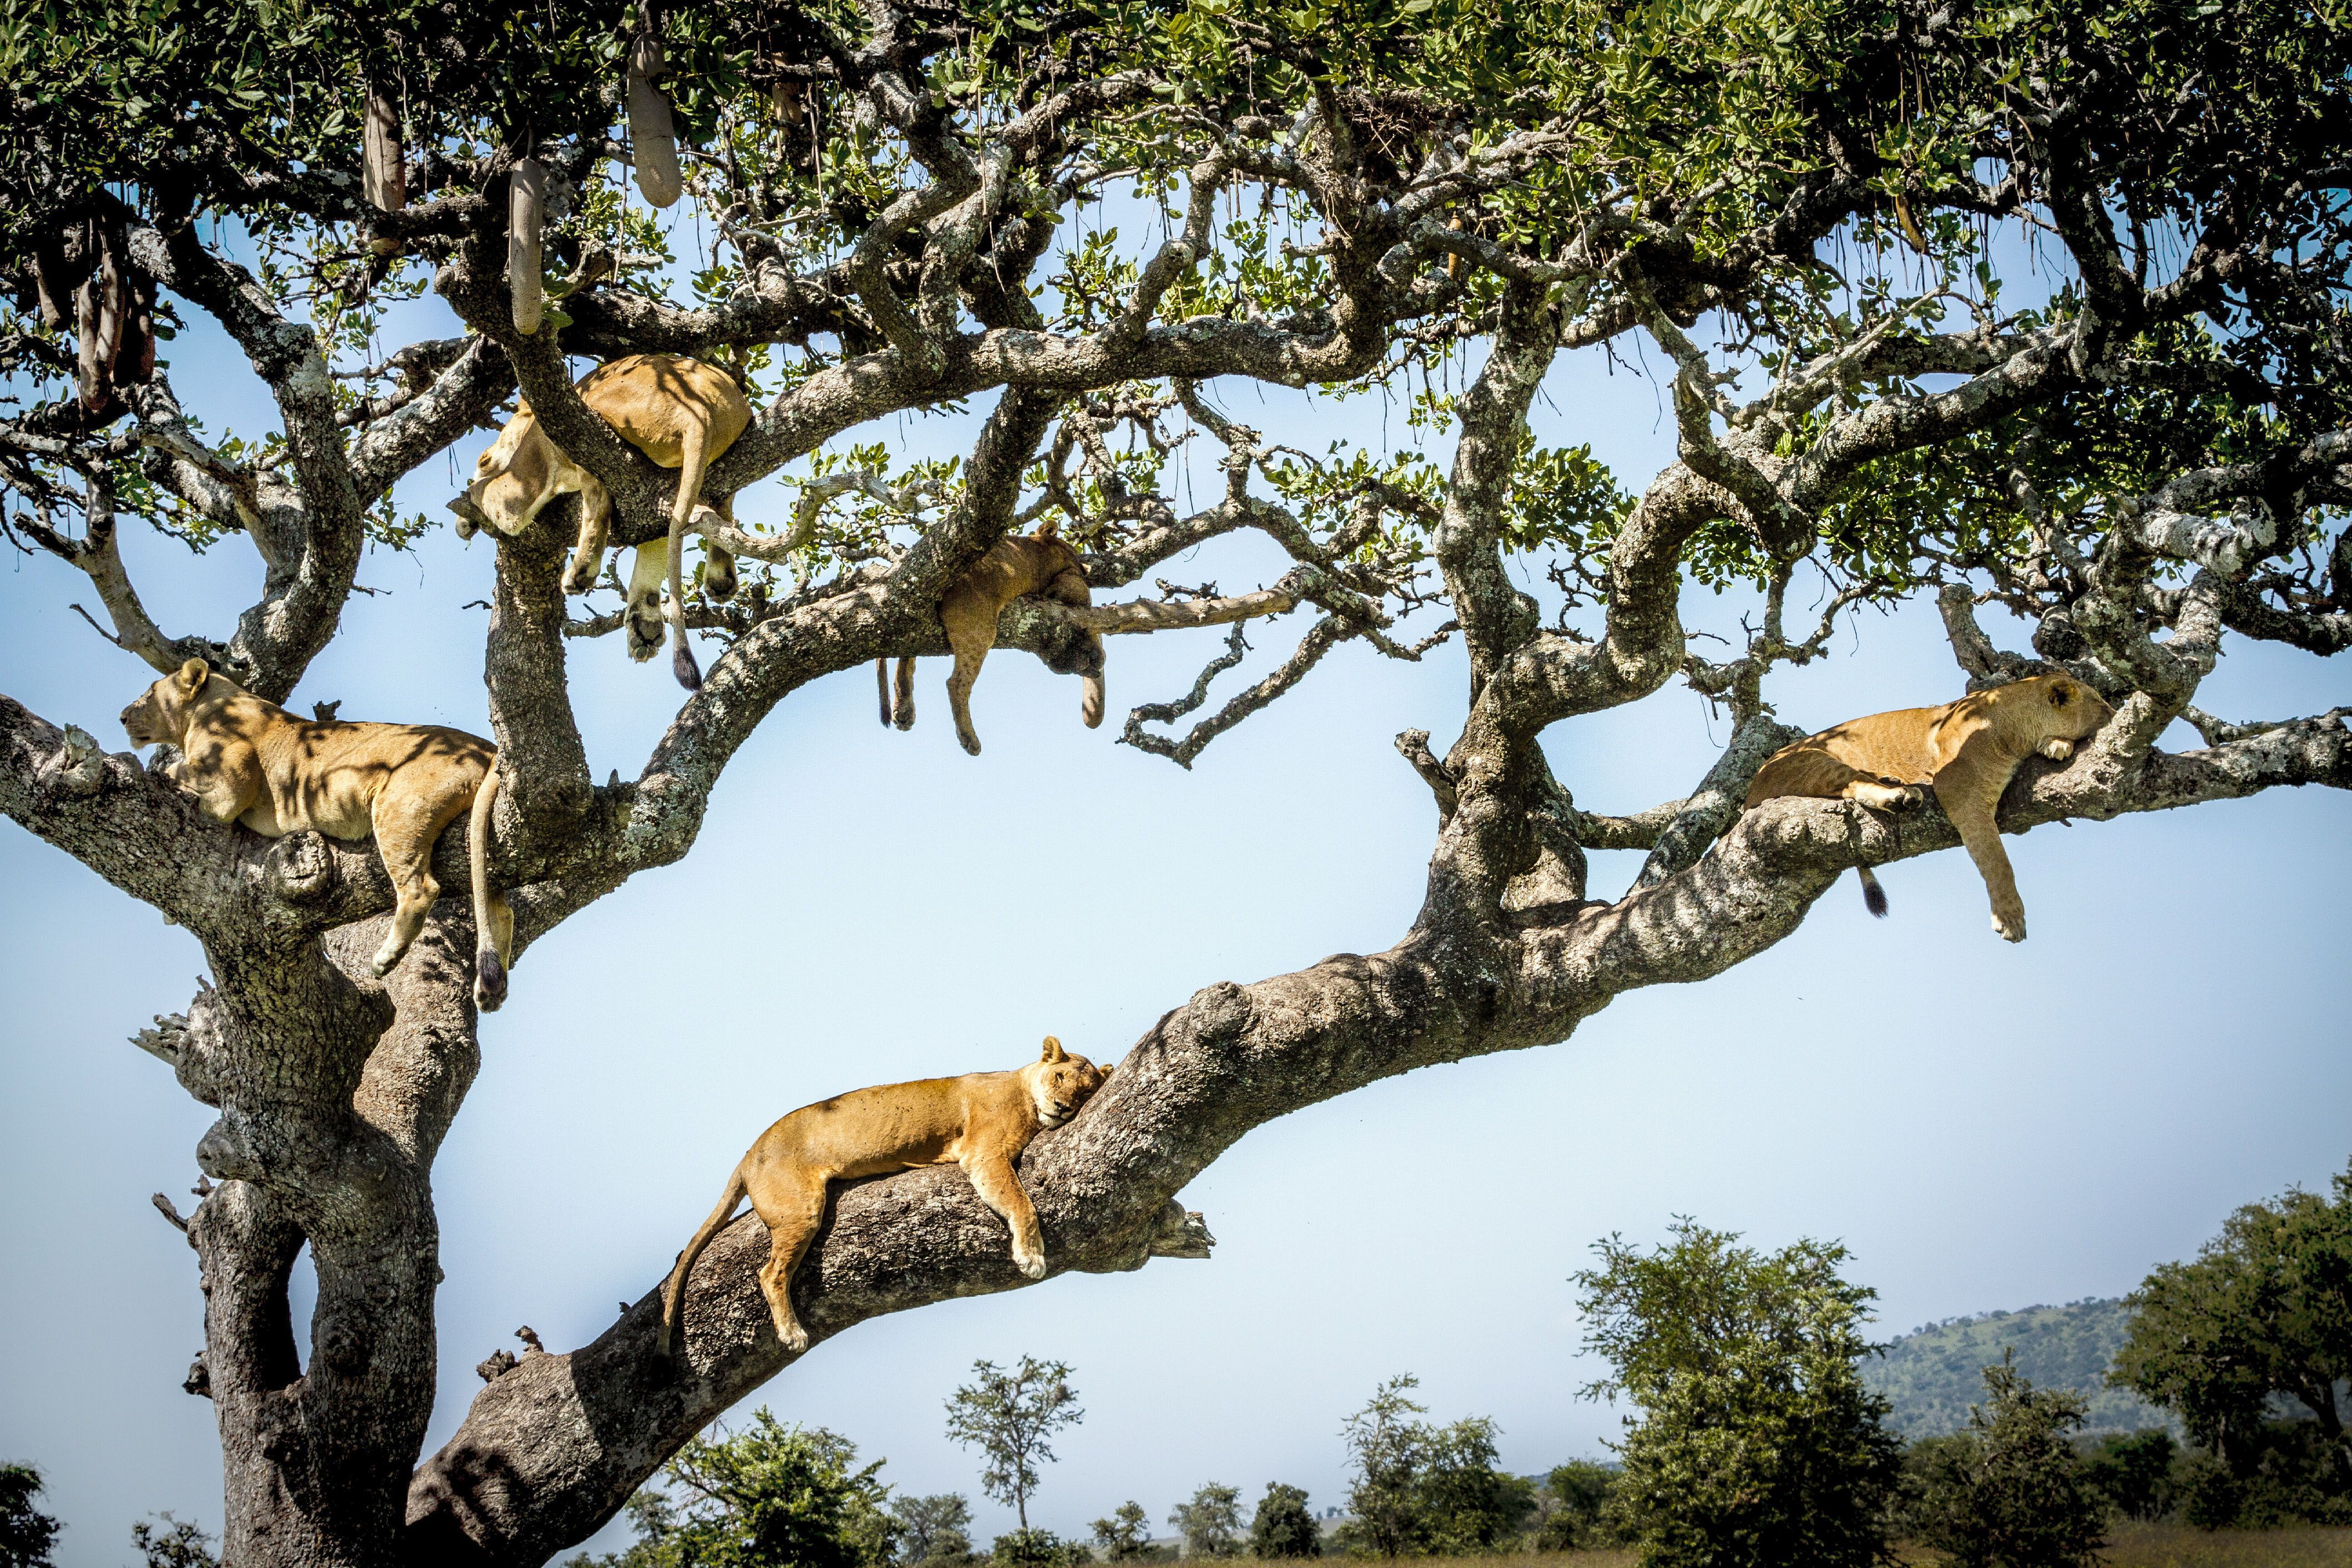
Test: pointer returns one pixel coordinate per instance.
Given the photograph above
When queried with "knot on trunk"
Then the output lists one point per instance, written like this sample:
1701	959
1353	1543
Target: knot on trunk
497	1365
1219	1013
298	867
79	767
225	1151
1180	1232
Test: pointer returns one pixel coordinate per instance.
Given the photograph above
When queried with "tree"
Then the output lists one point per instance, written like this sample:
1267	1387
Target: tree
1010	1416
1126	1535
1283	1526
2264	1312
769	1496
1211	1523
174	1543
1466	1505
1756	1442
1386	1451
2133	1472
932	1530
1572	1507
2010	1492
26	1535
1822	201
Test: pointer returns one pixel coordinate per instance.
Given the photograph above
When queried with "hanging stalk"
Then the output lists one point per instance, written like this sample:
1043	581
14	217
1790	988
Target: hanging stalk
383	174
525	209
652	134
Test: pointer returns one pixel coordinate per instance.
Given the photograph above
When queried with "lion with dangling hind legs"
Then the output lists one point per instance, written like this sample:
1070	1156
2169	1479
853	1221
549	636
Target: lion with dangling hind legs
682	415
1038	563
981	1121
1966	751
251	762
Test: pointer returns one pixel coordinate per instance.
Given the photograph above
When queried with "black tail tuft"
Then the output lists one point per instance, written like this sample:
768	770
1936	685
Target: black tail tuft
490	980
689	673
1874	897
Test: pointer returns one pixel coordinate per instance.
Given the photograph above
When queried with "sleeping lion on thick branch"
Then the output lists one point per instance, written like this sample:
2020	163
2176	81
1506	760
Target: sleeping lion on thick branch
250	761
981	1121
1966	751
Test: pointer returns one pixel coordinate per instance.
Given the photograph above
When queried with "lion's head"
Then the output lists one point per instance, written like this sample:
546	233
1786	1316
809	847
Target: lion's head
512	479
1059	1083
161	714
2047	714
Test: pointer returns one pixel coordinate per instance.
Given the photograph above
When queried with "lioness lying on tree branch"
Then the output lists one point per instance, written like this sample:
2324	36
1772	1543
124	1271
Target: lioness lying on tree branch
981	1121
1039	563
1966	751
250	761
681	414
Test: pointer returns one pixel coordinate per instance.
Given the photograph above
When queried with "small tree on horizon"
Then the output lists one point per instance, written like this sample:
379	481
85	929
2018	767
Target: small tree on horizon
1211	1523
1386	1450
932	1530
1126	1535
174	1542
1284	1526
2011	1491
26	1534
767	1496
1010	1417
1757	1444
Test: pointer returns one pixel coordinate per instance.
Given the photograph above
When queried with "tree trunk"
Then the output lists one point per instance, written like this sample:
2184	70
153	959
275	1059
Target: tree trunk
334	1089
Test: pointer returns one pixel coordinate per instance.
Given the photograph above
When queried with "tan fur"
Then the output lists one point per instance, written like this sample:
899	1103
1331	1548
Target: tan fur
250	761
981	1121
1966	751
1012	568
681	414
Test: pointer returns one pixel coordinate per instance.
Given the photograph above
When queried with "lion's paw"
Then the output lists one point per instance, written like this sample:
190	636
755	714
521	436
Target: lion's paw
2012	928
1033	1265
795	1338
2057	751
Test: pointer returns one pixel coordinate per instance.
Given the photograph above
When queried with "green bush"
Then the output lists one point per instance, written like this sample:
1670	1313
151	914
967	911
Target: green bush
2134	1473
1571	1509
1126	1535
1211	1523
25	1533
2011	1491
1283	1526
1758	1445
1037	1549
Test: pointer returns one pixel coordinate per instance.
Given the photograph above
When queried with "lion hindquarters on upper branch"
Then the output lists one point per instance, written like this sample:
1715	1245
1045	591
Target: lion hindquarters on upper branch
682	415
1966	751
251	762
1039	564
981	1121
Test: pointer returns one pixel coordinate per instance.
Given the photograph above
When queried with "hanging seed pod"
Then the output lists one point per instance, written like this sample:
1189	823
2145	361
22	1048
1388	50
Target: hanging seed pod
383	175
89	367
652	134
525	207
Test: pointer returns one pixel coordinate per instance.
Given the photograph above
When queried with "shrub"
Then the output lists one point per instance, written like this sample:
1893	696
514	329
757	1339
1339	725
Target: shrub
2135	1473
1284	1527
1126	1535
2010	1492
1211	1523
1757	1444
933	1531
1037	1549
1572	1508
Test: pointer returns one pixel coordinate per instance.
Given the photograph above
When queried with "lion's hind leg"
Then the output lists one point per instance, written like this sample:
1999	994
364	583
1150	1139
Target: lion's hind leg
971	622
406	828
790	1202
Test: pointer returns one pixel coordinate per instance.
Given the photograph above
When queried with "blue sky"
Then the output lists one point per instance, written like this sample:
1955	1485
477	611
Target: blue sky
1986	1126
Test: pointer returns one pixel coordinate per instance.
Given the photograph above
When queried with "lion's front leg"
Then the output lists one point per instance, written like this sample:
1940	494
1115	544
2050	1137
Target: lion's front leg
1970	787
991	1176
642	624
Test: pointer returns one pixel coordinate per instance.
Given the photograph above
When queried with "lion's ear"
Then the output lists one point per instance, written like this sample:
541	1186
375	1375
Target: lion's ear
1049	530
191	677
1054	1051
2061	695
1104	1072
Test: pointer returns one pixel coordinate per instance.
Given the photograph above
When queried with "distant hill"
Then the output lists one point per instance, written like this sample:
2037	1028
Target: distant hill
1933	1375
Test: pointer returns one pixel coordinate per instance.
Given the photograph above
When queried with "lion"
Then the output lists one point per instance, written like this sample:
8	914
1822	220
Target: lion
1041	564
250	761
981	1121
680	413
1966	751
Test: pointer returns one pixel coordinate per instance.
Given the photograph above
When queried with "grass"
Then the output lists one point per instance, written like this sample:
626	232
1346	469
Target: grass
2128	1546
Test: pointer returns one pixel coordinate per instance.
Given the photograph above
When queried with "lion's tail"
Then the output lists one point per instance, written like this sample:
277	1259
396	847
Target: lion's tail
674	1288
1874	897
882	688
493	924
